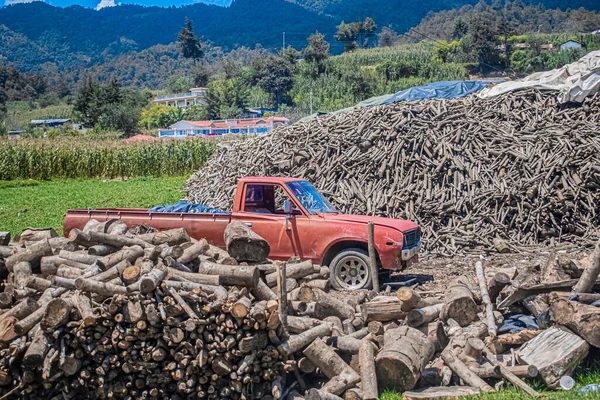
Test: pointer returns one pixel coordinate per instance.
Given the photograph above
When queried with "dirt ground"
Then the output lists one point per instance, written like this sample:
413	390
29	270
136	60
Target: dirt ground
433	273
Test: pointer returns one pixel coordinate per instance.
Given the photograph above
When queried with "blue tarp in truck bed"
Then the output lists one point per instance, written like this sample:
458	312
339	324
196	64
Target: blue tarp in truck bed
185	207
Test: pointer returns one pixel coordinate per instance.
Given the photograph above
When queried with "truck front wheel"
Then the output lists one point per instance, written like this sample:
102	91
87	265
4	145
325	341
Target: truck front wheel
350	270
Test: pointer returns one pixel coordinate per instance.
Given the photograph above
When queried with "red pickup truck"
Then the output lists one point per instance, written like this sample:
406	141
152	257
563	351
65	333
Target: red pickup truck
296	220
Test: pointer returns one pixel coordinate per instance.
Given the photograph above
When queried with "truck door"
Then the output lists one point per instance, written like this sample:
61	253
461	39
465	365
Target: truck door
263	212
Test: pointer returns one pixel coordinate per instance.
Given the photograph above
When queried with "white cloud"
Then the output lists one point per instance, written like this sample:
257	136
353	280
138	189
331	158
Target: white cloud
9	2
105	3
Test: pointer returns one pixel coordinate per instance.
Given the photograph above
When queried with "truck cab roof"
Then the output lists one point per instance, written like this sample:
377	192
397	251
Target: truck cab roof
269	179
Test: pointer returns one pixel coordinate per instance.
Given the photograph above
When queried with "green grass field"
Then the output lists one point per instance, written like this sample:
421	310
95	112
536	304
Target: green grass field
43	204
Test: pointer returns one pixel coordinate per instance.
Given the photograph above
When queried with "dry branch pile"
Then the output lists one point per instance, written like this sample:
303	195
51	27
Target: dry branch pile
519	167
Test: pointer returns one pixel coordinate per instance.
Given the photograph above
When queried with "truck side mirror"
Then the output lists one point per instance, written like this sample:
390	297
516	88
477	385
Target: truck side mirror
287	207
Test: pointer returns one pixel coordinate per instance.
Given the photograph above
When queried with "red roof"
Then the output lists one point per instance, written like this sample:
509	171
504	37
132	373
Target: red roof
199	123
139	138
224	124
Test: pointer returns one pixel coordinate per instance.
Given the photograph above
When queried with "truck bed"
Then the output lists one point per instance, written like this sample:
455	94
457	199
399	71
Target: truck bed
198	225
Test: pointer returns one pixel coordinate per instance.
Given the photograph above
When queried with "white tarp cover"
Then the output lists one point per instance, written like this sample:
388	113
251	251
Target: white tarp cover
574	81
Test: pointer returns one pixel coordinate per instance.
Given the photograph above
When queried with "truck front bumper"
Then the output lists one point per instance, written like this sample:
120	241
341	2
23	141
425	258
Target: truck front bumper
410	253
400	259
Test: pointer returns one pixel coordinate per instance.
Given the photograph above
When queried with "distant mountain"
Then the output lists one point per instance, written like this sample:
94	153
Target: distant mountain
37	35
94	3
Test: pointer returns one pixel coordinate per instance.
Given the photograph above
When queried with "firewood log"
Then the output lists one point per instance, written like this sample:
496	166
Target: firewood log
316	394
171	237
294	271
583	319
196	277
297	342
32	254
459	303
331	365
382	308
243	244
327	305
57	314
231	274
460	369
409	298
130	254
4	238
36	352
78	257
402	359
21	273
192	252
420	316
555	352
453	392
435	333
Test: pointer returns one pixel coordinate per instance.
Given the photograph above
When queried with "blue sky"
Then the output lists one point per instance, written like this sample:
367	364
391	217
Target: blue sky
93	3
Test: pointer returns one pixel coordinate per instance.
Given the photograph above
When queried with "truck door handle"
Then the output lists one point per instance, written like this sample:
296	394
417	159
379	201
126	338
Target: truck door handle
248	224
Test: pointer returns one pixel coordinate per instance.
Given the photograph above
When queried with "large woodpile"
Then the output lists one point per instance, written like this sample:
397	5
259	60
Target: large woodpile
116	313
518	167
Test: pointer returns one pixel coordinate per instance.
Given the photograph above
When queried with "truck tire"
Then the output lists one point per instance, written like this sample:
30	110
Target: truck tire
350	270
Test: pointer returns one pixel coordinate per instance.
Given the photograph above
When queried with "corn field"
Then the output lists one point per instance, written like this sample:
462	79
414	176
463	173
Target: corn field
352	77
86	158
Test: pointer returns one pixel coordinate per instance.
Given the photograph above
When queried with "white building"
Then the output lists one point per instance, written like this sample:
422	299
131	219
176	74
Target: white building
183	100
247	126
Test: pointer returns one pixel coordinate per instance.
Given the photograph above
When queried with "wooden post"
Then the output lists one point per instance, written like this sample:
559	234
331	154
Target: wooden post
281	286
368	376
485	298
373	257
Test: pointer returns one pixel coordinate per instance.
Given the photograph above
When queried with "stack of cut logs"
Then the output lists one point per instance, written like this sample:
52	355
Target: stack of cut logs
116	313
518	167
112	312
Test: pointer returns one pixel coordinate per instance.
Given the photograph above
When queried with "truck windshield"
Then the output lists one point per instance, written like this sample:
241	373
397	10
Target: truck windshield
311	199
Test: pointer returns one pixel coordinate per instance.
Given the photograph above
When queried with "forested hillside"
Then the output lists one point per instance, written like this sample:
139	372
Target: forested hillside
75	37
514	17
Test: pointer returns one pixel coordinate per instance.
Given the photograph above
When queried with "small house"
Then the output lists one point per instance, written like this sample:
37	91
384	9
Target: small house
570	45
547	47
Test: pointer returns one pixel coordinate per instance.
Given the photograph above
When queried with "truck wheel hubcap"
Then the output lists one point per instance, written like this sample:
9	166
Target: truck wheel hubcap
353	273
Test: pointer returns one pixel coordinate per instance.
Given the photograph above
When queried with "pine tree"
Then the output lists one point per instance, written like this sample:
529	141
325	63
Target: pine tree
317	50
87	104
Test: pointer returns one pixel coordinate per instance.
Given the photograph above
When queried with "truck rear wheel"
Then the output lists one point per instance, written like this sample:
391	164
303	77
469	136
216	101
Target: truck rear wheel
350	270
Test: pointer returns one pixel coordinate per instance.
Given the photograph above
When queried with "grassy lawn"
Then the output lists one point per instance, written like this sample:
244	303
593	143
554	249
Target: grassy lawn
43	204
584	377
